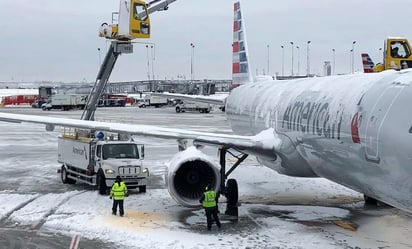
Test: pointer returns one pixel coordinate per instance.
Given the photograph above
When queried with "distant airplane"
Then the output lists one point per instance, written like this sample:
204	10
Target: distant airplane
367	63
355	130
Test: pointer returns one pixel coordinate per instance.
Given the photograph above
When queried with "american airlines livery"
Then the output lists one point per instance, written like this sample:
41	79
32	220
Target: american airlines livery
355	130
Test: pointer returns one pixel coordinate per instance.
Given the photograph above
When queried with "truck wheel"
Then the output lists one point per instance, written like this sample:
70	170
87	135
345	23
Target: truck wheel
101	183
201	111
142	189
207	110
64	174
143	106
232	192
177	109
43	108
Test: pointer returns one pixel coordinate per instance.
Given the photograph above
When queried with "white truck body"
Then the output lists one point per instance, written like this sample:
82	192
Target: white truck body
151	100
187	105
65	102
97	162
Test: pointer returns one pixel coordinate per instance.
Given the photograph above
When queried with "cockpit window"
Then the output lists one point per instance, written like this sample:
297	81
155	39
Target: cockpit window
410	130
139	12
399	49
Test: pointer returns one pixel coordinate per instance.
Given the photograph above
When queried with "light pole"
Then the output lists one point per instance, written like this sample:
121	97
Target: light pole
100	58
333	61
153	53
353	60
297	47
350	60
380	52
148	62
283	60
268	60
192	62
291	43
307	59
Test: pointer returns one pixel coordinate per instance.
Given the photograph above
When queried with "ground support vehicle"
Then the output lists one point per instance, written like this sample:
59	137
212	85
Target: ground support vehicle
96	160
151	100
65	102
185	105
397	54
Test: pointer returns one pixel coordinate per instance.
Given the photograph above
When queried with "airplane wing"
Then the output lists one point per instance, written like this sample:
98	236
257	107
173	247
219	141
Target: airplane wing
247	144
216	99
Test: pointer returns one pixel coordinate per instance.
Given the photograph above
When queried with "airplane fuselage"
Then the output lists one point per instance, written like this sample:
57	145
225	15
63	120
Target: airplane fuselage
355	130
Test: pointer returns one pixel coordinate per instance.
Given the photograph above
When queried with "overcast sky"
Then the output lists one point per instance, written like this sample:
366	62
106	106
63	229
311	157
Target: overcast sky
58	40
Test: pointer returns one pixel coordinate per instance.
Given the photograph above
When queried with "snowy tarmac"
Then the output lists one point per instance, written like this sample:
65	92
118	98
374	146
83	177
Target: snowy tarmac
38	211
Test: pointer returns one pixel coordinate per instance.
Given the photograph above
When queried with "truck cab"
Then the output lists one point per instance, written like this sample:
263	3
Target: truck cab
132	21
397	53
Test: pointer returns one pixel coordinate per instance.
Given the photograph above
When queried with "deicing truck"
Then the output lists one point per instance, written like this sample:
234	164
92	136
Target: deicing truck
96	159
65	102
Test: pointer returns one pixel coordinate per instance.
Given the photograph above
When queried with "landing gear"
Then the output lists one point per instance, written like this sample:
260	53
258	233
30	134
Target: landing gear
230	190
101	183
232	198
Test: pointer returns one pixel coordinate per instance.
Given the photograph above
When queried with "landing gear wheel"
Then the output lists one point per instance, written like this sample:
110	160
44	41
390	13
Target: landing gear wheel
101	183
232	198
232	192
64	174
142	189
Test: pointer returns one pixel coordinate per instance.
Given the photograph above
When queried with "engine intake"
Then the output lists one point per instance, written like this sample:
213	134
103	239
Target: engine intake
189	173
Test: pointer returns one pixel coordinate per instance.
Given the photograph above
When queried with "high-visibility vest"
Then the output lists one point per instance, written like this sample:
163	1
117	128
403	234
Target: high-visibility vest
118	192
210	199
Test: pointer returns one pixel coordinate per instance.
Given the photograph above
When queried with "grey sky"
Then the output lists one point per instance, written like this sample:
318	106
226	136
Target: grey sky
57	40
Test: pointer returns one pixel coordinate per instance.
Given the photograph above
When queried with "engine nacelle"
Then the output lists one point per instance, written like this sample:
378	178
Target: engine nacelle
189	173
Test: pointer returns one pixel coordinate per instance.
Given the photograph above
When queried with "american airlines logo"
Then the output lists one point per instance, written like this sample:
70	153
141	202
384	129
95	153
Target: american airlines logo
80	152
313	118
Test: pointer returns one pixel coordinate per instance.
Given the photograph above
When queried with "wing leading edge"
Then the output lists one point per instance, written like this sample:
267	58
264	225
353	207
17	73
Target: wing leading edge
266	142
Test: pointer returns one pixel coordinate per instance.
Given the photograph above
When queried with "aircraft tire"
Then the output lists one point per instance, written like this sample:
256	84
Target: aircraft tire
232	195
101	183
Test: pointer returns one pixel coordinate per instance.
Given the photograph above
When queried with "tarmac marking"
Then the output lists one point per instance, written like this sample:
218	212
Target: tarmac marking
255	221
75	242
22	205
53	210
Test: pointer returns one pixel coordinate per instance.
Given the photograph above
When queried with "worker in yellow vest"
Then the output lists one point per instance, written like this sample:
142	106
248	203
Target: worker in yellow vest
209	203
118	192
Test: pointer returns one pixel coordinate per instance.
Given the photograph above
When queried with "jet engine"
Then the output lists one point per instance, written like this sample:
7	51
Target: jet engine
190	171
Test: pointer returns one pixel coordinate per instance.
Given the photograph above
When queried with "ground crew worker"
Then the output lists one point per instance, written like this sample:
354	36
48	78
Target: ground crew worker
209	203
118	192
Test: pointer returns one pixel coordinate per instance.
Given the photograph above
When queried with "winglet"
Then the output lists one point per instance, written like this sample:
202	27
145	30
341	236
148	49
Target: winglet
240	70
367	63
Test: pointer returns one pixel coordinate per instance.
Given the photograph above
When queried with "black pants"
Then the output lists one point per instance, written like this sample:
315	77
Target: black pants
209	213
120	204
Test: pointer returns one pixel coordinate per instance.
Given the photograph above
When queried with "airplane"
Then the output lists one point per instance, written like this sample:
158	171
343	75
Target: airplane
355	130
367	63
